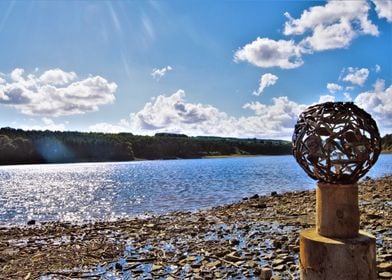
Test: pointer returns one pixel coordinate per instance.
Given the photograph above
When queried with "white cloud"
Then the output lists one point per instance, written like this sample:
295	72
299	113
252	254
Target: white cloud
332	87
384	9
378	102
57	77
347	95
326	98
331	26
173	114
356	76
16	74
172	111
2	81
276	120
159	73
108	128
53	95
45	124
379	85
264	52
266	80
349	88
377	68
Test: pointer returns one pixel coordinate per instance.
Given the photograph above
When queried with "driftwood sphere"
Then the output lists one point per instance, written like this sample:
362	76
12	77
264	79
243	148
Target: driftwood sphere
336	142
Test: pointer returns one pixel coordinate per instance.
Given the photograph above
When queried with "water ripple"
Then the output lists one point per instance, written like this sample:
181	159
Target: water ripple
91	191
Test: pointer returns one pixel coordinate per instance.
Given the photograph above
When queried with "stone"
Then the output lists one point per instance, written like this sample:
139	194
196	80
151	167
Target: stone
250	264
156	267
233	257
385	274
118	266
265	273
277	262
384	267
280	267
31	222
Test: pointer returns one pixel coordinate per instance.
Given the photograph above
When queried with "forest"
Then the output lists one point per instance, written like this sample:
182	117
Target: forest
21	147
386	143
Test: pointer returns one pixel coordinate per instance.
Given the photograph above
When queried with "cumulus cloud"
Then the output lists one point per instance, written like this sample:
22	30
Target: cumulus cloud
264	52
378	102
55	93
347	95
356	76
174	114
157	74
332	87
57	77
266	80
108	128
276	119
42	124
326	98
349	88
16	74
377	68
331	26
384	9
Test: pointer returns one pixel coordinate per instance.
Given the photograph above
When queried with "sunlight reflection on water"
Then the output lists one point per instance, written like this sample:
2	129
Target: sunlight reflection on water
91	191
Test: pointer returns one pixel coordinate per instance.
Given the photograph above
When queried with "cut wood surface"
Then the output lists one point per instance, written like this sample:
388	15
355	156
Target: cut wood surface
323	258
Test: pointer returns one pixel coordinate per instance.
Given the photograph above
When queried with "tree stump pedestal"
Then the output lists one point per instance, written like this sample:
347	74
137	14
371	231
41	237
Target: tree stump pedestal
336	249
323	258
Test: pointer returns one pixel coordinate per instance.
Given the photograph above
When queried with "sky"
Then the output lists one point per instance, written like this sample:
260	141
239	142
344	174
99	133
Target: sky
223	68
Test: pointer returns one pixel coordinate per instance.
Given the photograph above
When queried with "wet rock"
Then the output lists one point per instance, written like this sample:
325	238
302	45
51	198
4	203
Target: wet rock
265	273
277	262
31	222
260	205
233	257
280	267
384	267
274	193
234	242
156	267
256	196
118	266
385	275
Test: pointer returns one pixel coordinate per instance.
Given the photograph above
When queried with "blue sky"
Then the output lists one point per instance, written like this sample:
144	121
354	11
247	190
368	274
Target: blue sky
227	68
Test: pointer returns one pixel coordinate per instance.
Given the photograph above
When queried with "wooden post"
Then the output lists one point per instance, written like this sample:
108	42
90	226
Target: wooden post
336	249
337	213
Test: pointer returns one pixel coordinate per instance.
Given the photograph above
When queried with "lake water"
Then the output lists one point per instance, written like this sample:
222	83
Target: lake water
91	191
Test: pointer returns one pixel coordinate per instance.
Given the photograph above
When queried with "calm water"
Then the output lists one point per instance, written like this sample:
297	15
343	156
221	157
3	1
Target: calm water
90	191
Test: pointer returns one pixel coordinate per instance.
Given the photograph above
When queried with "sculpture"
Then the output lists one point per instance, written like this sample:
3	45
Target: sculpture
336	142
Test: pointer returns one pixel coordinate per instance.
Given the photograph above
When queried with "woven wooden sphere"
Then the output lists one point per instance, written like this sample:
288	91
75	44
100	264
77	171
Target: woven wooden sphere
336	142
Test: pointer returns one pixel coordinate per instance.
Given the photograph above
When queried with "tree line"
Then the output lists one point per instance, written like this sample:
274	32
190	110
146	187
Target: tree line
21	147
386	143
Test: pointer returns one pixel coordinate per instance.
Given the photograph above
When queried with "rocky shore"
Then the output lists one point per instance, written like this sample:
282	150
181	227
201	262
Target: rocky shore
256	238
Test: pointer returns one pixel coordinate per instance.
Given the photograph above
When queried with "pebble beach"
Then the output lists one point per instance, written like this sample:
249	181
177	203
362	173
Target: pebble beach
256	238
